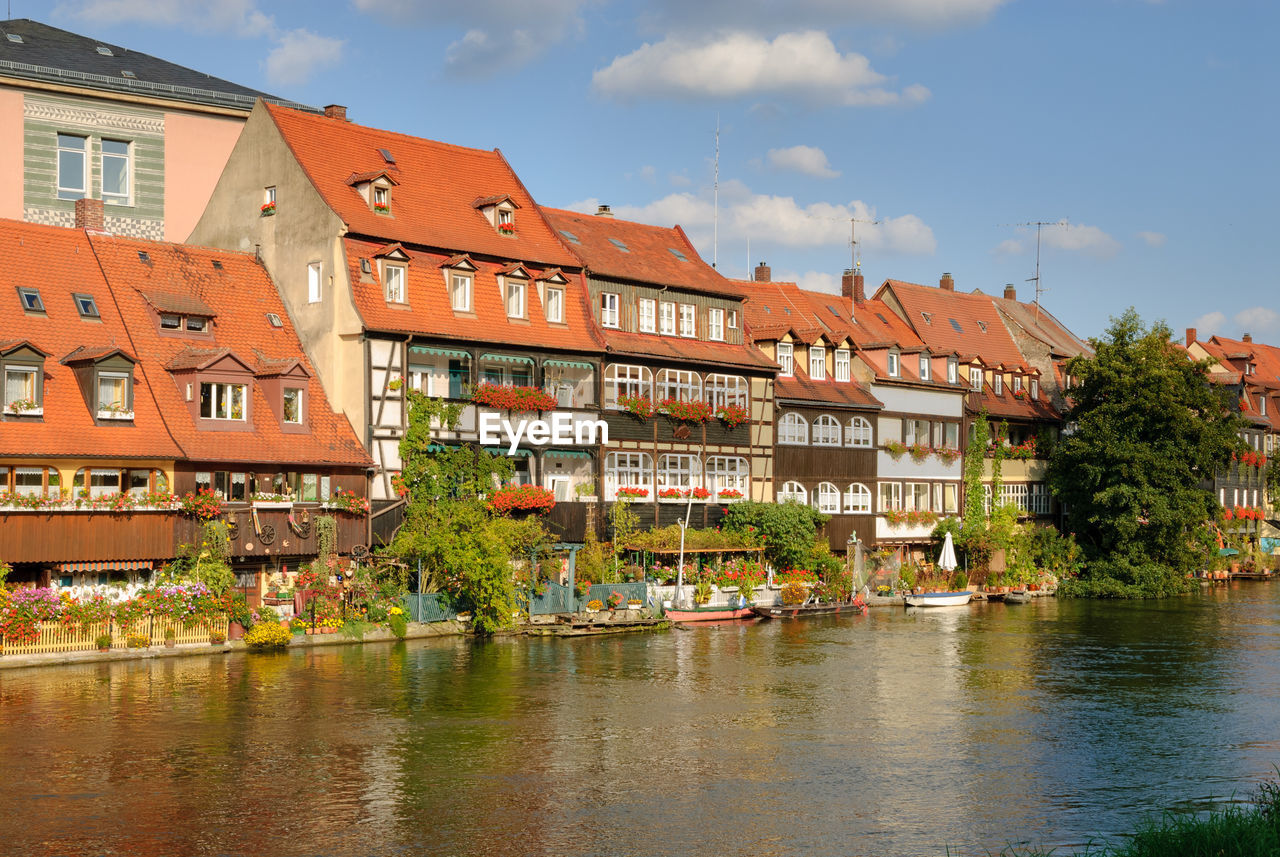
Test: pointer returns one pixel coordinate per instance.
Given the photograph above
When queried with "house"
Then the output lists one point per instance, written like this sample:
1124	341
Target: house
688	399
135	371
407	263
82	118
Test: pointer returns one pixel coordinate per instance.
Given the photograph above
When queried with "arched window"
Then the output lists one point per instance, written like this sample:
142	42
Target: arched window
726	390
26	481
826	498
95	482
681	384
628	470
858	432
621	379
793	430
857	500
792	491
679	471
826	431
727	472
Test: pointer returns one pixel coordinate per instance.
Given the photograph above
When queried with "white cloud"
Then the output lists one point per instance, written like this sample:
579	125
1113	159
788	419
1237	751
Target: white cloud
679	180
1258	320
497	34
770	15
1153	239
808	160
815	281
805	65
295	56
1009	247
1082	239
1209	324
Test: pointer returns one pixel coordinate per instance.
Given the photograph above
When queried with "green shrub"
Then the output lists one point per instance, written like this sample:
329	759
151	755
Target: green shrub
265	636
137	641
103	641
399	624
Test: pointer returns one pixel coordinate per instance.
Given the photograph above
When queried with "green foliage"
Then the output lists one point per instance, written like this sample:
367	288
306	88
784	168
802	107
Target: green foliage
102	641
1151	431
788	529
959	581
974	458
591	563
207	562
399	625
623	523
668	539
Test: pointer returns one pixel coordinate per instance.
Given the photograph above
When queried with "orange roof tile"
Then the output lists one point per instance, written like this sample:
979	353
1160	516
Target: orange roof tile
687	350
433	203
801	386
960	322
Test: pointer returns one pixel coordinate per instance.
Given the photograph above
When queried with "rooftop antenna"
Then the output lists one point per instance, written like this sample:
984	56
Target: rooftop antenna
853	239
1039	225
715	222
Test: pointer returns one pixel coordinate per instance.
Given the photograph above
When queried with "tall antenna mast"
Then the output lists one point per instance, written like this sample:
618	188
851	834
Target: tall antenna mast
1039	225
715	224
853	239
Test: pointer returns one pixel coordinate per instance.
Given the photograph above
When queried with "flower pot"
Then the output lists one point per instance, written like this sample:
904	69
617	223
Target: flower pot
104	648
235	631
170	642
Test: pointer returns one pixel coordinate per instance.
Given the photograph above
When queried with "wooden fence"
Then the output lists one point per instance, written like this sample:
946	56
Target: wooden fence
54	637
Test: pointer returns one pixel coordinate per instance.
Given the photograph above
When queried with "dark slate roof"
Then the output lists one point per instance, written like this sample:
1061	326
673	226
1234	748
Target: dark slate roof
49	54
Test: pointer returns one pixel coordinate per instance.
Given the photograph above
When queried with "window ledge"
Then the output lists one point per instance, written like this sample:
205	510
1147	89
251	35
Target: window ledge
29	412
273	504
112	415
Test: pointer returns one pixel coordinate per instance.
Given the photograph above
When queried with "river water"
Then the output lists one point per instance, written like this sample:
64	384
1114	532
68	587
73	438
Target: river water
901	732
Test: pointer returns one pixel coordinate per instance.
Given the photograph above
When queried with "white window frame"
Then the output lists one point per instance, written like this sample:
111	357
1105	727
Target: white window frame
65	191
679	470
461	284
715	324
793	430
609	309
786	365
975	378
667	318
554	305
826	431
950	498
682	384
826	498
624	379
917	496
688	321
727	472
894	364
925	367
222	394
733	319
859	433
793	491
842	364
284	412
857	499
817	362
515	297
127	157
314	286
723	390
953	370
1035	388
890	496
394	279
1017	383
627	470
29	383
997	383
648	315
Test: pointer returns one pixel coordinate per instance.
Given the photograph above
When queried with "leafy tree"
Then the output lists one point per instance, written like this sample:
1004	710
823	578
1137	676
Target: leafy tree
1150	433
789	529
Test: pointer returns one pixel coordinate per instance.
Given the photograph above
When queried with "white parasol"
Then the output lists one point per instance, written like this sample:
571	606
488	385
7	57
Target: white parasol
947	562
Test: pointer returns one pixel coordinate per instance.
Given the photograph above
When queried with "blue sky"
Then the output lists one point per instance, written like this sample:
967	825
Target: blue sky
1150	128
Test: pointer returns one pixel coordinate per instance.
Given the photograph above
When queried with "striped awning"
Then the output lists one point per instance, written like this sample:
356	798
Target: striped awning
568	364
439	352
567	453
106	565
507	358
502	450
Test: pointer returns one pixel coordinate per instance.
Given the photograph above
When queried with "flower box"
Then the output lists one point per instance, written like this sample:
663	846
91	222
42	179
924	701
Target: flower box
267	209
273	504
114	415
24	408
512	398
632	493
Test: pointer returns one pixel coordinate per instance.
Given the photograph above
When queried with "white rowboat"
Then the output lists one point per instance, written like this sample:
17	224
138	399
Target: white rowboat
939	599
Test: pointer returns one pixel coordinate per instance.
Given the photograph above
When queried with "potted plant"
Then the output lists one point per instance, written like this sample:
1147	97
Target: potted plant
595	605
635	604
267	208
615	600
137	641
103	642
170	638
217	638
702	591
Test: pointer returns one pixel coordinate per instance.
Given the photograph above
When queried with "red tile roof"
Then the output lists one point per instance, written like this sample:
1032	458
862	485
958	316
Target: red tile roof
428	312
981	330
241	293
687	350
647	255
801	386
433	202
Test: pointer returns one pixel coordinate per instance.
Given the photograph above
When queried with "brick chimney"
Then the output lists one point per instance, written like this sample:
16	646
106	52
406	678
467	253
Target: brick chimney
946	283
336	111
1248	337
89	215
1191	336
603	211
852	286
763	273
1010	292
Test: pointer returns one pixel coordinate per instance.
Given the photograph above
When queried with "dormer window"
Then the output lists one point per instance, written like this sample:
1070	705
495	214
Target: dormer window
506	221
393	278
516	292
895	370
460	283
223	401
22	390
1035	388
975	378
291	406
381	199
115	395
817	362
1262	406
997	383
169	321
924	367
554	305
953	370
842	364
1017	384
500	211
197	324
784	359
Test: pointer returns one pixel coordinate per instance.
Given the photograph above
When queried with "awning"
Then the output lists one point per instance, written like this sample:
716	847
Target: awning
502	450
567	453
568	364
506	358
106	565
439	352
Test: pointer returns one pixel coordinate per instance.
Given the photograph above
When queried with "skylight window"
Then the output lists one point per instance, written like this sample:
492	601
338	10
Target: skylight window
834	311
274	320
144	256
955	325
883	320
616	243
128	74
387	156
787	310
927	316
217	264
105	51
85	304
31	299
674	252
15	38
982	325
569	236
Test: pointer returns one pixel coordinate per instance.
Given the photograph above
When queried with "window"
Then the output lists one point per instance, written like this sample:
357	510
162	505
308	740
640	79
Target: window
688	320
1017	383
169	321
826	431
648	321
1262	406
627	470
1035	388
269	198
102	482
894	369
916	431
667	319
733	319
859	432
826	498
784	358
953	370
28	481
113	394
715	324
722	390
460	292
917	496
555	305
951	435
975	378
608	309
382	200
842	364
86	305
222	401
997	383
1038	498
890	496
682	384
621	379
727	473
115	172
394	285
857	500
792	491
197	324
793	430
515	299
950	498
292	405
924	367
817	362
31	301
72	166
20	394
313	283
679	471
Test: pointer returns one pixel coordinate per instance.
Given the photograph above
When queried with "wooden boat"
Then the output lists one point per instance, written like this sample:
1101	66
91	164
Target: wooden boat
710	614
797	611
939	599
1017	596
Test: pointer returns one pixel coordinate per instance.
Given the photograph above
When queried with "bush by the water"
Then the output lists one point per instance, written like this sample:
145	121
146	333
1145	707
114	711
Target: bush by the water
267	636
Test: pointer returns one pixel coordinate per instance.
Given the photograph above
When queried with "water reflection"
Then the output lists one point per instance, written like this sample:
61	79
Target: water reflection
900	732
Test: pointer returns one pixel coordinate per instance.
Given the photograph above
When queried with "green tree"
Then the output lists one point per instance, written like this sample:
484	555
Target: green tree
789	530
1150	432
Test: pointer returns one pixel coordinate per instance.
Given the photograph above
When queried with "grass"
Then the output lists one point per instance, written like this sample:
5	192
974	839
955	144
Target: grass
1239	831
